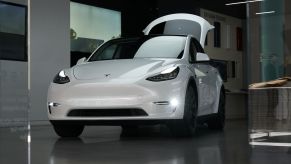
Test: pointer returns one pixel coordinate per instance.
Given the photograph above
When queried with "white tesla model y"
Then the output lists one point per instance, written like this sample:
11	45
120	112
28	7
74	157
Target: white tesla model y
161	77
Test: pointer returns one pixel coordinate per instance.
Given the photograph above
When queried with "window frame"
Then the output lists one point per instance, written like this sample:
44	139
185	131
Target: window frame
25	55
192	48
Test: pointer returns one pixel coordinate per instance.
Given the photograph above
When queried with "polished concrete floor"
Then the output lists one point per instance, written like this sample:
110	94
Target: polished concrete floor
109	145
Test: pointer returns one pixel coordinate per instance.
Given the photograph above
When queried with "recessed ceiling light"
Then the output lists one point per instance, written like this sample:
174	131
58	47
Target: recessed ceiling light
243	2
270	144
266	12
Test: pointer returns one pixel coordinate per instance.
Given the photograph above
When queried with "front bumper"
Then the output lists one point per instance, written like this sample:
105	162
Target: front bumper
159	100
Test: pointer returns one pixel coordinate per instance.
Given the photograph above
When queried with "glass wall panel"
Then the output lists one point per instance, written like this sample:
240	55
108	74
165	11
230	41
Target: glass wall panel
90	27
269	55
269	35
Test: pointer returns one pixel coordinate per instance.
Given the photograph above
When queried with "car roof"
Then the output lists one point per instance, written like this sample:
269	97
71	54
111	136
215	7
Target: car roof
146	36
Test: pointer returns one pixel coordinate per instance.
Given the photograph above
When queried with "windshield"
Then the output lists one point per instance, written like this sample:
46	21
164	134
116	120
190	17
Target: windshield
146	47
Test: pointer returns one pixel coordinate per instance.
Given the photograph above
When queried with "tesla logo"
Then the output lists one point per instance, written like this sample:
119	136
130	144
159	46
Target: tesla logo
106	75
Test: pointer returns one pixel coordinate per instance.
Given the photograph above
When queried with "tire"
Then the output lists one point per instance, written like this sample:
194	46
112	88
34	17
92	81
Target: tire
218	121
186	127
68	130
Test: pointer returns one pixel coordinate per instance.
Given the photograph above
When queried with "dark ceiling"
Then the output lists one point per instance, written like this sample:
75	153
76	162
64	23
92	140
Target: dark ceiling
172	6
219	6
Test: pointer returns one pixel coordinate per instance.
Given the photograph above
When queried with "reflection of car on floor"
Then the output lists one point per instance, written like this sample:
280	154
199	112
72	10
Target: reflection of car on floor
164	78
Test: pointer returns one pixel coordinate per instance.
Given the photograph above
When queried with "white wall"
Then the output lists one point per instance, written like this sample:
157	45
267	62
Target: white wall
49	49
229	53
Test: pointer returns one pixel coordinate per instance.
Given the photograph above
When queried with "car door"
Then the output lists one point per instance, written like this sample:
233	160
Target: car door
200	71
209	82
180	24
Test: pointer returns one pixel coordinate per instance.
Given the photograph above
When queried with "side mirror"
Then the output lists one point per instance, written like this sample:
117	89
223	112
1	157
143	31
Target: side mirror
82	60
200	57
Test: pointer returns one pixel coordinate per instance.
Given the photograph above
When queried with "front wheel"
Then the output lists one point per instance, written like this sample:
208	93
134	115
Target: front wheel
68	130
186	127
219	121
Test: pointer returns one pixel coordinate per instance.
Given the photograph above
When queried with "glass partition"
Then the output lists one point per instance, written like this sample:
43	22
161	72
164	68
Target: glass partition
269	45
269	40
90	27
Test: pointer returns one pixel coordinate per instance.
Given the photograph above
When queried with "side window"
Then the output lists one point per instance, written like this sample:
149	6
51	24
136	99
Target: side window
108	53
198	46
192	52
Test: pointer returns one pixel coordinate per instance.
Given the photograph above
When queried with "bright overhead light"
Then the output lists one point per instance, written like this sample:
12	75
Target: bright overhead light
258	135
266	12
276	134
268	134
243	2
270	144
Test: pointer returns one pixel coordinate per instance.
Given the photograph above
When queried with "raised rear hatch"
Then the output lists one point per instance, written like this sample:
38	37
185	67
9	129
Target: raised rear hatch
180	24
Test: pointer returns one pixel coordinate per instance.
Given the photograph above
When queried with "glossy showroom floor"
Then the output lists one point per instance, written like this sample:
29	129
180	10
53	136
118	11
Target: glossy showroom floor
108	145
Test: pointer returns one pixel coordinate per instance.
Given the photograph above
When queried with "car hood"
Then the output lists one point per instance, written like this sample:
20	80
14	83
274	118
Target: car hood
125	68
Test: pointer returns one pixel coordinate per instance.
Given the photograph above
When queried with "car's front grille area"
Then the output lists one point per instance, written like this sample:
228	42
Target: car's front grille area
106	113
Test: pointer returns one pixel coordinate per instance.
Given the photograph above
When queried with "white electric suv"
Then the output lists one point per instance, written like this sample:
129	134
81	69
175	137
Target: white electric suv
164	78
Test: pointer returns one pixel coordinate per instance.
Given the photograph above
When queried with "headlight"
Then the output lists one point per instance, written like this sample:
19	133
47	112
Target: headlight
167	74
61	78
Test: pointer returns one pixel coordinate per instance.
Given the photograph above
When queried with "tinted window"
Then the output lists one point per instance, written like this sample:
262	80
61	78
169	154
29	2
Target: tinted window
12	32
192	52
198	46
